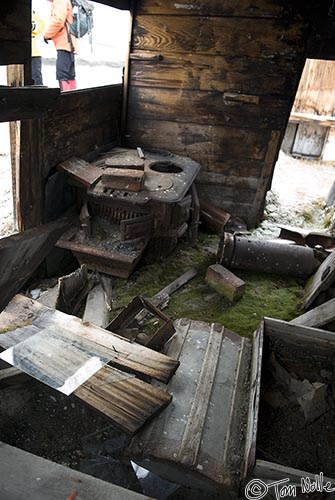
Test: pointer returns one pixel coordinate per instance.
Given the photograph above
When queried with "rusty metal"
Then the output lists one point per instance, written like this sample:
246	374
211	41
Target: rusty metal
268	256
168	177
215	218
161	211
102	254
219	220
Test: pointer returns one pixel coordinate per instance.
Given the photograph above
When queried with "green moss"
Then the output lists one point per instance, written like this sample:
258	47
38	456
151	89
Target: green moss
265	295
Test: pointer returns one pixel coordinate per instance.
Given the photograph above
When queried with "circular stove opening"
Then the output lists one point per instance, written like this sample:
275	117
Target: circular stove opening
165	167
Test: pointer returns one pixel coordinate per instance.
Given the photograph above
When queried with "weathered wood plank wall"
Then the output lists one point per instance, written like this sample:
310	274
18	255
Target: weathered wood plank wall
316	92
216	81
78	123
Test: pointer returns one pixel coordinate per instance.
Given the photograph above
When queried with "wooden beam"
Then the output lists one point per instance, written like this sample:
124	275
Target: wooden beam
21	254
30	181
317	317
26	102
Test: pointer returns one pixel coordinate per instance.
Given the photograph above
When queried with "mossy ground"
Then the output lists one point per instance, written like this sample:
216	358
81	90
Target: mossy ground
265	295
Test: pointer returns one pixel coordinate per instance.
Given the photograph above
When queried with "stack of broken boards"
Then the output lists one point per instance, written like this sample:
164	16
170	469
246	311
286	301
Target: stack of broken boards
114	392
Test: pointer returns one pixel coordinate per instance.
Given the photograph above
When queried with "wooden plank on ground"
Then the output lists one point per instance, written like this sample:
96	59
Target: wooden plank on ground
317	317
21	254
127	401
322	280
23	311
81	171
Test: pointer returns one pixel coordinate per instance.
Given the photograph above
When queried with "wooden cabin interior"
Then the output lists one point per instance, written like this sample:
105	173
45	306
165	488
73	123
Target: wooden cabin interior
211	80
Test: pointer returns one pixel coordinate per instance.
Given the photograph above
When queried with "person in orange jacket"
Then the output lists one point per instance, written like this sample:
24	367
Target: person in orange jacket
65	43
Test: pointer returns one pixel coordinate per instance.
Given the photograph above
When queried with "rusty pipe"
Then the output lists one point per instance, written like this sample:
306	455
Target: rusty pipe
267	256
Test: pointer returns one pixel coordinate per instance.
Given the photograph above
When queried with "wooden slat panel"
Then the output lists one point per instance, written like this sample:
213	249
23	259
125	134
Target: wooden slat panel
21	254
128	355
199	440
218	36
206	107
127	403
244	8
203	143
208	72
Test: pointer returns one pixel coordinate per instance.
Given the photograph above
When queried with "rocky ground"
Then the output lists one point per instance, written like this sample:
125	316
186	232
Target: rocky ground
298	195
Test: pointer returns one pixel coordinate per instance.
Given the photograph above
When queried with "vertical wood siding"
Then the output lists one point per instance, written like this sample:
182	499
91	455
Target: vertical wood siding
316	92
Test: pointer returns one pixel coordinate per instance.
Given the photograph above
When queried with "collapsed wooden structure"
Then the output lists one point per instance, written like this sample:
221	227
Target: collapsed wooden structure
213	81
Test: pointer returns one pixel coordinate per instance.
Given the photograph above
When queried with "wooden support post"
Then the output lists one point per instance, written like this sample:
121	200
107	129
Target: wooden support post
30	181
15	78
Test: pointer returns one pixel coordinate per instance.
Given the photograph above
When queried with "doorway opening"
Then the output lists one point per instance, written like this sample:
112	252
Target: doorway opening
8	224
305	171
101	56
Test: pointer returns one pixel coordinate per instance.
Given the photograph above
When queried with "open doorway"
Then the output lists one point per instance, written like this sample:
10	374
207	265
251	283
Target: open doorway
7	215
101	56
7	225
305	171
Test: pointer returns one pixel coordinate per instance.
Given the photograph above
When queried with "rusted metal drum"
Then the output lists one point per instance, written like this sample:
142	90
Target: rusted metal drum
267	256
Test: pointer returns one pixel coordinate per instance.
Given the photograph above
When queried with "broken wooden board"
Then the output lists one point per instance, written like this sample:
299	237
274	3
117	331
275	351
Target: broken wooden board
198	441
317	317
22	253
126	400
23	311
122	398
81	171
73	289
321	281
